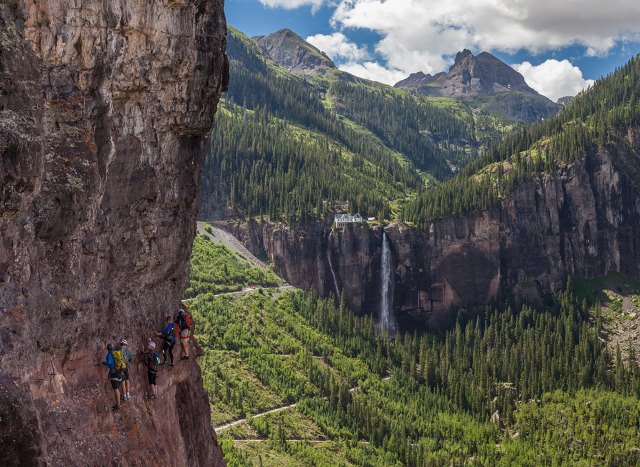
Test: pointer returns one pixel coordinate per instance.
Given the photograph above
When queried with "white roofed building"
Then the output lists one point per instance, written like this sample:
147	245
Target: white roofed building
344	219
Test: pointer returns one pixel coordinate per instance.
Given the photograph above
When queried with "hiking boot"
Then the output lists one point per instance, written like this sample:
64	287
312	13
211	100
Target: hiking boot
153	396
163	363
116	407
185	357
171	365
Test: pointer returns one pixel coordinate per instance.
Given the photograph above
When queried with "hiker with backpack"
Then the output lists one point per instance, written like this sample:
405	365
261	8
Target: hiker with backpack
168	335
183	322
127	356
151	361
114	374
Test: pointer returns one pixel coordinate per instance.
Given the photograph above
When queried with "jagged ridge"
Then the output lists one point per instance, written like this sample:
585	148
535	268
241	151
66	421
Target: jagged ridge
497	86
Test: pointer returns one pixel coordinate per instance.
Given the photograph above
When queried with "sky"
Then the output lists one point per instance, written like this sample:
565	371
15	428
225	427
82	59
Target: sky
559	46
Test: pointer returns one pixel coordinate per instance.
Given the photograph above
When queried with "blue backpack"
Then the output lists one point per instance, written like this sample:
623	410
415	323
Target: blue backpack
168	334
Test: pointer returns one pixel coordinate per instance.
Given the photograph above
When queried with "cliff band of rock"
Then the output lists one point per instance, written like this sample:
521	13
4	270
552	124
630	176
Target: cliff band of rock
105	109
584	221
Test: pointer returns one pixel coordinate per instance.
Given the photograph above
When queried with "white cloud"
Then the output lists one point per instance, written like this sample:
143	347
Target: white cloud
338	47
423	34
293	4
374	71
553	78
355	59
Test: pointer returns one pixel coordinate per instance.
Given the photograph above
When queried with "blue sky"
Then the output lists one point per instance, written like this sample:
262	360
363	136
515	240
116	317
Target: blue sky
558	46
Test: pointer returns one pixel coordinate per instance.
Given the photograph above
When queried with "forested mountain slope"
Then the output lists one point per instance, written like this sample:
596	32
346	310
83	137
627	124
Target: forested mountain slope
293	148
603	119
550	200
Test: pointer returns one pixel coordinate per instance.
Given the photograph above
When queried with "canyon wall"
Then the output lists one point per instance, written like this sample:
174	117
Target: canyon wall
582	221
105	110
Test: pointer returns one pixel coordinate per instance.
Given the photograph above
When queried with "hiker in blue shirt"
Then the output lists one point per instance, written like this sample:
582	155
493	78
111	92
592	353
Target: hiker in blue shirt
169	338
114	375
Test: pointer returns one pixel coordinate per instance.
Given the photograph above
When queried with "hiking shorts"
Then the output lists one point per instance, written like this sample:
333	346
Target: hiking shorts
151	375
125	374
116	379
184	334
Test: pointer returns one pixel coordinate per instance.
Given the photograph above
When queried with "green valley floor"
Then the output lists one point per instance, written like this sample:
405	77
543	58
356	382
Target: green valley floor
296	380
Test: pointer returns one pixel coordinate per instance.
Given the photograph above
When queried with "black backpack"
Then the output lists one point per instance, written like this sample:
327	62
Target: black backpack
181	321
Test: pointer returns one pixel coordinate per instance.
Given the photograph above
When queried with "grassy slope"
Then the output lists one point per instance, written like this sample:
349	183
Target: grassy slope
216	269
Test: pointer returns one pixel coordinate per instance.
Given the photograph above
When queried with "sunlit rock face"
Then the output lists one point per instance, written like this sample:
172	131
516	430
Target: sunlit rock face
105	109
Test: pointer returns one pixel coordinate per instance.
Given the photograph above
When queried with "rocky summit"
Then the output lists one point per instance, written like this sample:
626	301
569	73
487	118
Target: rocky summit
484	77
469	76
291	51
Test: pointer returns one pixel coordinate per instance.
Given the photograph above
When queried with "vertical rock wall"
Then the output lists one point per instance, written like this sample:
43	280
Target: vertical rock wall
583	221
105	109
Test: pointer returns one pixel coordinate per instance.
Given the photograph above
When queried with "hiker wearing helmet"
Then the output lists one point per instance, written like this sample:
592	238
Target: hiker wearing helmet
127	357
169	338
114	375
183	322
151	361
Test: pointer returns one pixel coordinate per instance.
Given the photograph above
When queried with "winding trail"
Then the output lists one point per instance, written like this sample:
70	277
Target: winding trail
262	414
278	289
277	409
306	440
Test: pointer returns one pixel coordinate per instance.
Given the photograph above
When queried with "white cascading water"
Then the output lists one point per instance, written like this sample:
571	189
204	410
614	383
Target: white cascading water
387	321
333	274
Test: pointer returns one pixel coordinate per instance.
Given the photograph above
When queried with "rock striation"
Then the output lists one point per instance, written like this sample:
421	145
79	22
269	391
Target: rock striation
105	110
583	221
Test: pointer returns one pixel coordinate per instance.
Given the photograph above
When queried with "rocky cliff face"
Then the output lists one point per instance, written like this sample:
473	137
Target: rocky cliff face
105	108
584	221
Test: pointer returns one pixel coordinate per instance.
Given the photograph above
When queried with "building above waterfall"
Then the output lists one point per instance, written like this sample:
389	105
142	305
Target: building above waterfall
344	219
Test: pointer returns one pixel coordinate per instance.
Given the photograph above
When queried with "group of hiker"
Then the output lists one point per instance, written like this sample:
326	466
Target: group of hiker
119	357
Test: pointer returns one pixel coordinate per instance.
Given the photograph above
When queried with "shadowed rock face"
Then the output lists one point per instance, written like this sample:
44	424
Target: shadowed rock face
496	86
105	109
585	221
469	76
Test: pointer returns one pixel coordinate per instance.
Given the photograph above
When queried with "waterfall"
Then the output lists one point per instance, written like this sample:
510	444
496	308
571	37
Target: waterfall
333	274
387	278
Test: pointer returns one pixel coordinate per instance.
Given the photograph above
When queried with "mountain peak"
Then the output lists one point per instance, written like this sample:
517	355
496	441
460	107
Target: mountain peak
415	80
294	53
470	76
484	76
462	55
